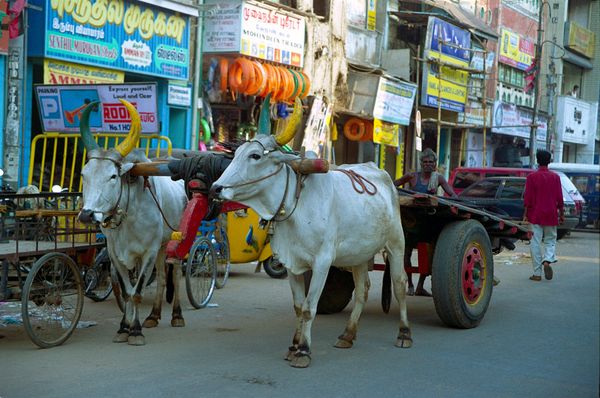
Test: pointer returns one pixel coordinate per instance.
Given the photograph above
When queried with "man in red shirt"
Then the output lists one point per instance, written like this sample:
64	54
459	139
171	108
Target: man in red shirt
544	210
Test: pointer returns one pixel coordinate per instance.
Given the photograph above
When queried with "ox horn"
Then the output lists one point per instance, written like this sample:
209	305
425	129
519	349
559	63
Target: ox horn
290	129
84	128
135	130
264	118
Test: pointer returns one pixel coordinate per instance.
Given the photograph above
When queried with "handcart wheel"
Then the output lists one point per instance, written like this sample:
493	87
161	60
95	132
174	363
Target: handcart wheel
52	300
201	272
97	278
221	245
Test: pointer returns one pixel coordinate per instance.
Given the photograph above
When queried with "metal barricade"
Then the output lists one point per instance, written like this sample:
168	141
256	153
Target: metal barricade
57	158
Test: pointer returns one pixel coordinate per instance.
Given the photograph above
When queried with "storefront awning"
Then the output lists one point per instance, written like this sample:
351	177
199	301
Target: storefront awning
577	60
462	17
173	6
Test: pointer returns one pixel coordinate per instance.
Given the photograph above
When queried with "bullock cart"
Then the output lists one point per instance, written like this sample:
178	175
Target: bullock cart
45	255
455	245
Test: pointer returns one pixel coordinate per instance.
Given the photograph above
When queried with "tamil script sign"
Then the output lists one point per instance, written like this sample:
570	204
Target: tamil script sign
119	34
61	106
58	72
515	50
394	101
449	45
255	30
576	121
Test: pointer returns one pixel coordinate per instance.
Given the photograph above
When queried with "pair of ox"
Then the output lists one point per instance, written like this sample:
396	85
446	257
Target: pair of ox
340	218
130	218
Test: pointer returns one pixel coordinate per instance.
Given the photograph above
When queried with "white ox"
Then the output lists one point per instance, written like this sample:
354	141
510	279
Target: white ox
341	218
136	232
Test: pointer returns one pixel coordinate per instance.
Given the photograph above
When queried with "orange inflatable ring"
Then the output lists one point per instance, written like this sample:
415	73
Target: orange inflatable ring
368	131
223	70
283	84
300	86
260	79
291	85
272	81
354	129
241	75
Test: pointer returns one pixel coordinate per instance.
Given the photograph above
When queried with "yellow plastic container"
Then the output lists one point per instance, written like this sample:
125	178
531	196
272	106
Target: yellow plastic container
239	223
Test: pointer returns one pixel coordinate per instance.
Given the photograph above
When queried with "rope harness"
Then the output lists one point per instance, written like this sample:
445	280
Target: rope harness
359	183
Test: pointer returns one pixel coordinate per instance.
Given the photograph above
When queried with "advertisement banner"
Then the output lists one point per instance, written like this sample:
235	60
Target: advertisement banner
515	50
179	94
511	120
255	30
394	101
580	39
386	133
574	118
119	34
371	14
447	44
4	29
60	107
58	72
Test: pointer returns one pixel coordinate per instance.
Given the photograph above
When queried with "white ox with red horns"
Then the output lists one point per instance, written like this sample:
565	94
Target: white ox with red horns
340	218
136	232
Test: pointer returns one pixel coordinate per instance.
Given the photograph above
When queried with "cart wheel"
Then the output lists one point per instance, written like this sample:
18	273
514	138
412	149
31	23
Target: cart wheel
221	244
462	274
52	300
274	268
201	272
97	279
337	292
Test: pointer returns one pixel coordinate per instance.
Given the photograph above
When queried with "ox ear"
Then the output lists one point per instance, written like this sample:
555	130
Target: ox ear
125	168
280	156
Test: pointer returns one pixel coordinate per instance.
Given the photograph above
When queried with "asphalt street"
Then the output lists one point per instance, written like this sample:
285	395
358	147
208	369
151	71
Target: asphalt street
538	339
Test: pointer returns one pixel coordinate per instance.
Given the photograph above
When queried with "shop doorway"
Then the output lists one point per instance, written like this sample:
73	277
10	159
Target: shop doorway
178	127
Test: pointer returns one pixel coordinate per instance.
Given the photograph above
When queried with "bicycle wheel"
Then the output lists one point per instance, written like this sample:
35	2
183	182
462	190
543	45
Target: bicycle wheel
52	300
201	272
97	278
221	245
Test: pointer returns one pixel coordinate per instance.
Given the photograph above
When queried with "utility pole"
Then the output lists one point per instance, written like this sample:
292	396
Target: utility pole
551	92
538	59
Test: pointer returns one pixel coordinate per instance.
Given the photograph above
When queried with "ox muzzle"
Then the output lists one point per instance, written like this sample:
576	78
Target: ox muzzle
88	216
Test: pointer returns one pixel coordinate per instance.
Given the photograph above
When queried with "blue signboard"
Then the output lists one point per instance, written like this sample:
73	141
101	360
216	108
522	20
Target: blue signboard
118	34
441	32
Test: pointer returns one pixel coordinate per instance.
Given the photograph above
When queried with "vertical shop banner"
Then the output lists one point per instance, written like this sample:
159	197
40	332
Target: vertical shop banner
447	44
386	133
394	101
515	50
58	72
255	30
371	14
119	34
61	106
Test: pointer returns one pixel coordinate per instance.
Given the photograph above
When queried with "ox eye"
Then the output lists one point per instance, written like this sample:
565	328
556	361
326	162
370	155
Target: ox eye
114	176
255	156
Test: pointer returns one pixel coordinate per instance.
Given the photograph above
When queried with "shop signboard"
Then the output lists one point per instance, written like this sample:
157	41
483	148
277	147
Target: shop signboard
515	50
59	72
61	106
386	133
576	120
447	44
4	29
119	34
580	40
256	30
512	120
394	101
179	94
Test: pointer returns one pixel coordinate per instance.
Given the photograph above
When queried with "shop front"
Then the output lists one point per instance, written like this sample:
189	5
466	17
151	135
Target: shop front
116	41
576	126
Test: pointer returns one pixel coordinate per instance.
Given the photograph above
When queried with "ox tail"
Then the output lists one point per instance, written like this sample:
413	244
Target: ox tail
170	284
386	289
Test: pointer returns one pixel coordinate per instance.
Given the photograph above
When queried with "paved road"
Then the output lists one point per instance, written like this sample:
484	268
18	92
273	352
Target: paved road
537	340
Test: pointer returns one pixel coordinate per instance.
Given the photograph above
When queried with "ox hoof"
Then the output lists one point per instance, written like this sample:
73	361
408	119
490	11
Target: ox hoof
177	322
343	344
136	340
291	353
120	338
404	339
150	323
300	360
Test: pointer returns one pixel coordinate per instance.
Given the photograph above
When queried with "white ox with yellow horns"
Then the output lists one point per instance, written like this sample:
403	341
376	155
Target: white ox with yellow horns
341	218
136	232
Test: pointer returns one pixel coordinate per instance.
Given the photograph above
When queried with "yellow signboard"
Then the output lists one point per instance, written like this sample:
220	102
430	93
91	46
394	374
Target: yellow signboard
386	133
581	40
372	15
515	50
59	72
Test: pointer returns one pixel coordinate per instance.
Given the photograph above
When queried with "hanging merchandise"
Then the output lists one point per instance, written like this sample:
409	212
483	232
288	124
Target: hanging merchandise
354	129
264	119
205	131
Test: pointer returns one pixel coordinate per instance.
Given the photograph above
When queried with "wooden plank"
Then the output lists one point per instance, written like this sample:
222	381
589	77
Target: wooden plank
39	213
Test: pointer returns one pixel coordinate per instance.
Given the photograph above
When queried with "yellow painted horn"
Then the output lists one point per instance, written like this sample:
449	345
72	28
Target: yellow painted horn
290	129
135	130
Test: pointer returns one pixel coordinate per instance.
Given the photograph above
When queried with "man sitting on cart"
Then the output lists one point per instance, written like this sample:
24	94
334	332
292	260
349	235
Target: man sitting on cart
426	181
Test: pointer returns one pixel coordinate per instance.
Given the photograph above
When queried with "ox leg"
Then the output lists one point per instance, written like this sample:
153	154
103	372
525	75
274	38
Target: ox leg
396	257
362	283
176	316
135	331
297	285
123	332
152	320
309	311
